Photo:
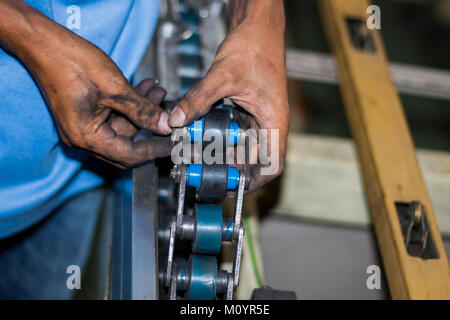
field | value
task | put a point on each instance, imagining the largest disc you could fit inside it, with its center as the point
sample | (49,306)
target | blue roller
(233,178)
(234,133)
(208,231)
(196,131)
(203,271)
(228,226)
(194,176)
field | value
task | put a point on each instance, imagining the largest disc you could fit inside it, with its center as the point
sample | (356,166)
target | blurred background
(415,32)
(315,231)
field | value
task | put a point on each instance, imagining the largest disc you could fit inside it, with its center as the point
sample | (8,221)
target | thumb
(198,100)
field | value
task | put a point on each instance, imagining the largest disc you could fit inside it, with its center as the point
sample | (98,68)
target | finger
(122,126)
(130,154)
(198,100)
(150,89)
(120,165)
(156,95)
(141,111)
(122,150)
(145,86)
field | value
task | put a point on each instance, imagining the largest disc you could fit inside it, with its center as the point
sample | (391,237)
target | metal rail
(408,79)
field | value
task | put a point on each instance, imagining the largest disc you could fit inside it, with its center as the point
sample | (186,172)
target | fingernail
(163,123)
(177,117)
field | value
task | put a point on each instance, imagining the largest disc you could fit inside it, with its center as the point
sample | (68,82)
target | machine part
(206,229)
(190,46)
(203,274)
(185,47)
(213,187)
(169,33)
(238,257)
(408,79)
(196,130)
(190,66)
(134,253)
(207,236)
(228,227)
(267,293)
(234,134)
(179,174)
(200,279)
(170,262)
(180,177)
(230,134)
(194,175)
(387,155)
(217,123)
(191,57)
(230,288)
(173,283)
(238,204)
(417,237)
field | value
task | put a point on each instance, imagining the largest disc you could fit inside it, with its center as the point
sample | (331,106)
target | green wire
(252,252)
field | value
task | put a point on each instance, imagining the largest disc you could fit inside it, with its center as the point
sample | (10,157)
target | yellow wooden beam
(386,153)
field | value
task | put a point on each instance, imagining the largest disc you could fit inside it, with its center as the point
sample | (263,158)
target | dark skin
(249,68)
(95,108)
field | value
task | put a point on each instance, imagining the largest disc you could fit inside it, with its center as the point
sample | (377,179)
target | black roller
(213,186)
(219,121)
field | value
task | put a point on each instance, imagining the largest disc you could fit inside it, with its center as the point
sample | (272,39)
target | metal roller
(212,181)
(208,229)
(203,274)
(218,119)
(205,229)
(200,279)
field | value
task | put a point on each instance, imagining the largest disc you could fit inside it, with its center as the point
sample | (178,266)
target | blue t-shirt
(37,173)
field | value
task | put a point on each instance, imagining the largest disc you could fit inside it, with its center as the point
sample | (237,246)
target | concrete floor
(320,261)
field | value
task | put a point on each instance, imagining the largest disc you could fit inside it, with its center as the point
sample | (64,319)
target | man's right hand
(93,105)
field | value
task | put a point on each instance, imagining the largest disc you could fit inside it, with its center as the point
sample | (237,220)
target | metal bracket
(415,231)
(238,205)
(238,256)
(173,226)
(173,283)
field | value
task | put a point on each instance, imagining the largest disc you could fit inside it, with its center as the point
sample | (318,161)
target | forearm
(268,13)
(28,33)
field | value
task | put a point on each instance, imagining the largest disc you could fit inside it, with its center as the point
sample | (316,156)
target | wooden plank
(321,182)
(386,153)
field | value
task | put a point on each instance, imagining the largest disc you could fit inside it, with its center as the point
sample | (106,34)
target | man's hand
(249,68)
(93,105)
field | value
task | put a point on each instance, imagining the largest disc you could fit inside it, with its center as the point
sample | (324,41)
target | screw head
(175,173)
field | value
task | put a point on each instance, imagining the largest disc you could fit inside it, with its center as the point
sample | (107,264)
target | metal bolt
(175,173)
